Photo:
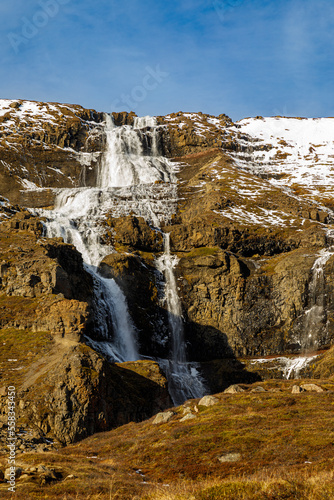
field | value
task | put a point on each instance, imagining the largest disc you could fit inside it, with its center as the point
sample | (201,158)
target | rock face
(43,285)
(46,144)
(80,393)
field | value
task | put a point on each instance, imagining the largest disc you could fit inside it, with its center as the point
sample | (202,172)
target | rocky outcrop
(43,285)
(254,308)
(46,145)
(123,118)
(189,133)
(74,392)
(133,233)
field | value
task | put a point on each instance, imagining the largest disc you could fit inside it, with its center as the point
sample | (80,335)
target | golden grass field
(285,442)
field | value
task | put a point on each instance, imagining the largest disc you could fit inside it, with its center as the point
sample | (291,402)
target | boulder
(234,389)
(230,457)
(208,401)
(163,417)
(258,389)
(296,389)
(189,416)
(312,388)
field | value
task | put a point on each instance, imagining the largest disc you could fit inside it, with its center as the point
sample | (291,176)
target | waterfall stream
(184,380)
(132,179)
(315,318)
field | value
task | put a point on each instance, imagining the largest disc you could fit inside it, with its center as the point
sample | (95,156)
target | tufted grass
(285,441)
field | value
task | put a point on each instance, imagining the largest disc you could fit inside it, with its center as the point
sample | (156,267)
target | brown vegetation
(285,442)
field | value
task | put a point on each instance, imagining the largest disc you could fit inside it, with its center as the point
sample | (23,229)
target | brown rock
(234,389)
(163,417)
(311,388)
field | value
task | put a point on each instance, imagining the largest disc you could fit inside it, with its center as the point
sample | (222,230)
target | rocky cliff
(251,232)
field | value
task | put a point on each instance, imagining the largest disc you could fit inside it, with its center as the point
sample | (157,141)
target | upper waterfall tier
(132,155)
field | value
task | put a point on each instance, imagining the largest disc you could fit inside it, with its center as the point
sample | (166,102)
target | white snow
(290,367)
(300,152)
(28,185)
(259,216)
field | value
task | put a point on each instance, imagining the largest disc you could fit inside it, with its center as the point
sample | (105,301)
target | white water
(289,367)
(315,324)
(125,162)
(110,311)
(124,185)
(184,380)
(132,179)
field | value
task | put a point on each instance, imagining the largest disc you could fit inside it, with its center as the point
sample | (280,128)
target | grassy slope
(285,442)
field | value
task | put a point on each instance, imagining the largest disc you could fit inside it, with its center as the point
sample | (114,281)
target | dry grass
(285,442)
(262,486)
(23,346)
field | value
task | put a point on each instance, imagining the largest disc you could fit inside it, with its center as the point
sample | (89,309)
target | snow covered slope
(291,152)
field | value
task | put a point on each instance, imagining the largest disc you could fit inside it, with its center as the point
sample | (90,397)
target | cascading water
(184,380)
(315,319)
(133,178)
(125,163)
(110,308)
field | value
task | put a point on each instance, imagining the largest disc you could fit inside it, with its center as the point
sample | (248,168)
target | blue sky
(239,57)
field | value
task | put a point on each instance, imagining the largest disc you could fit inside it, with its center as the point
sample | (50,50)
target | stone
(312,388)
(186,409)
(70,476)
(18,472)
(230,457)
(208,401)
(189,416)
(234,389)
(296,389)
(259,388)
(43,469)
(163,417)
(25,478)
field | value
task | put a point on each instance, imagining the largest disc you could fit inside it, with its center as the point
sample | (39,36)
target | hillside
(149,261)
(265,442)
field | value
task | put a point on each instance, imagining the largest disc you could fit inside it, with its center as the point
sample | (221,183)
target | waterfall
(125,163)
(110,307)
(133,178)
(166,264)
(184,380)
(315,318)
